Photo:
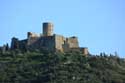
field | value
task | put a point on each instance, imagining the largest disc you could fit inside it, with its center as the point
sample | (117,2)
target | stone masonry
(47,41)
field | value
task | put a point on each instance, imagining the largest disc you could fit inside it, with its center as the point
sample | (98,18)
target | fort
(48,41)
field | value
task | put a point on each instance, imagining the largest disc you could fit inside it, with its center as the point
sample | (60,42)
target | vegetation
(45,67)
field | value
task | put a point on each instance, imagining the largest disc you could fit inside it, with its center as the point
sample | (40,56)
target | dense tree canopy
(45,67)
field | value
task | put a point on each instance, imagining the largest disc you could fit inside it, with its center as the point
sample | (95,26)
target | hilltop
(17,66)
(53,58)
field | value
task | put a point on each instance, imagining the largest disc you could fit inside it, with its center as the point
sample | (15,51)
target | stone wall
(32,40)
(47,29)
(72,42)
(59,42)
(31,34)
(48,41)
(14,43)
(84,50)
(23,44)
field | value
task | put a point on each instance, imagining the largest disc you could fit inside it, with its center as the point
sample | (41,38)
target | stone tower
(47,29)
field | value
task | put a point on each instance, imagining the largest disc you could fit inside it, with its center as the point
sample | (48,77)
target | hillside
(44,67)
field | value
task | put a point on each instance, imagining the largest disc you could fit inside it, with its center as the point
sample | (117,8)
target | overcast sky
(99,24)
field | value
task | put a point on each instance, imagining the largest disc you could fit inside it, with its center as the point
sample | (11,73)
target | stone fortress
(48,41)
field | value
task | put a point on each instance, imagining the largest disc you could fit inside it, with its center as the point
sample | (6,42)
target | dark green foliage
(44,67)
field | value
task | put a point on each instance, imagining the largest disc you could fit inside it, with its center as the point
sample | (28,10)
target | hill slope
(44,67)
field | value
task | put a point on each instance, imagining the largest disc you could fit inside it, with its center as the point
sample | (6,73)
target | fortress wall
(31,34)
(48,43)
(59,41)
(45,43)
(33,43)
(23,44)
(73,42)
(66,45)
(14,43)
(32,40)
(18,44)
(84,50)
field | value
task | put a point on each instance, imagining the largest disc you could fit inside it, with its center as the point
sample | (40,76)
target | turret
(47,29)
